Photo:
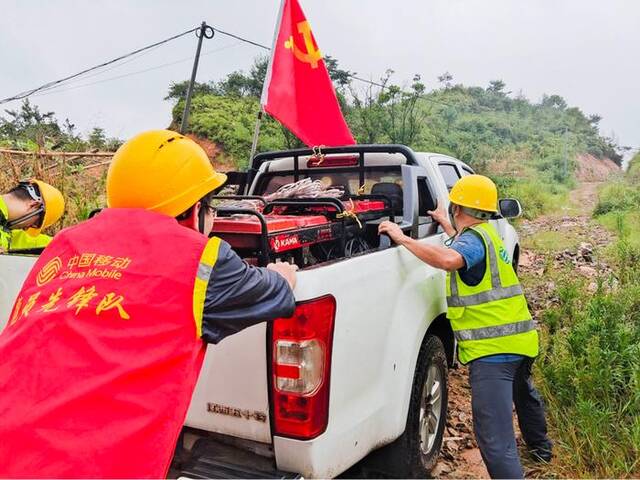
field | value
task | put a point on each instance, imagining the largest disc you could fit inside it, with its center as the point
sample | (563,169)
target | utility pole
(205,31)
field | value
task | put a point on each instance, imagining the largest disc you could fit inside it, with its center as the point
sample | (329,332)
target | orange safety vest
(102,350)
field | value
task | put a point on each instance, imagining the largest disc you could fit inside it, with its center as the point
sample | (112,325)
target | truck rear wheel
(415,453)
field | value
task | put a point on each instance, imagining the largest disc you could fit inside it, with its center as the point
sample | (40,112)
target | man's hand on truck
(287,270)
(441,216)
(434,255)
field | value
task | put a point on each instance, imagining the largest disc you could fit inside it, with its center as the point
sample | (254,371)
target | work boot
(541,453)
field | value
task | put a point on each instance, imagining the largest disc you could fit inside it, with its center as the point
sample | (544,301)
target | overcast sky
(588,51)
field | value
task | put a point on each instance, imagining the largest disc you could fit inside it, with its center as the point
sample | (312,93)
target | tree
(449,114)
(554,101)
(340,78)
(389,113)
(367,115)
(28,128)
(97,138)
(178,90)
(240,84)
(446,80)
(29,122)
(594,119)
(496,86)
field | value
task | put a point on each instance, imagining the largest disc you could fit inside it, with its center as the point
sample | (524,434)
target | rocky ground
(567,240)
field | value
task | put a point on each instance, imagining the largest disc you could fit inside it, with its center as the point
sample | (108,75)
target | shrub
(617,197)
(536,196)
(591,370)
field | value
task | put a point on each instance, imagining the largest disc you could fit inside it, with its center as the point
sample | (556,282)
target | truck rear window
(349,180)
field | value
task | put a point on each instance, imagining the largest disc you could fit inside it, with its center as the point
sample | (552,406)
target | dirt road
(568,239)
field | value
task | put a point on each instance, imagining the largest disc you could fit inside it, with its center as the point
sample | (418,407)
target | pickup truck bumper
(210,458)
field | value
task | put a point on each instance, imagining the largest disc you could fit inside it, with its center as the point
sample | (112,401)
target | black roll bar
(261,158)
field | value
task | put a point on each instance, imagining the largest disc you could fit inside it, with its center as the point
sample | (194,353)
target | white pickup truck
(360,371)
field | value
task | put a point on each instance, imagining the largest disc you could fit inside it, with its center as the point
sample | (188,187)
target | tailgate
(232,394)
(15,269)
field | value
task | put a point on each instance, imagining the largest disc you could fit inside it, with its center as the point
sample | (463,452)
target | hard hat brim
(470,205)
(193,195)
(52,213)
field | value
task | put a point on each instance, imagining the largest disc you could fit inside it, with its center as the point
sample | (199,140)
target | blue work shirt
(240,295)
(471,246)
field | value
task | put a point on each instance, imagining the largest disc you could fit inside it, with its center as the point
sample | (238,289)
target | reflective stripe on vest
(207,261)
(497,292)
(491,317)
(493,332)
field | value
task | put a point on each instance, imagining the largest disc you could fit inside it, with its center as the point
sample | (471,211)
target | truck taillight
(301,368)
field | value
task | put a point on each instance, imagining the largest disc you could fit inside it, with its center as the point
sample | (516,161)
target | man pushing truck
(98,371)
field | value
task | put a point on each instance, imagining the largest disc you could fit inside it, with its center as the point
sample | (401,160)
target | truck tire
(415,453)
(516,259)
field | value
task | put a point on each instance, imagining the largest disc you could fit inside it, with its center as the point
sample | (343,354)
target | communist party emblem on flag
(298,91)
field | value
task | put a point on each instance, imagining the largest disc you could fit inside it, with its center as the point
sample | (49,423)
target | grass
(536,195)
(589,369)
(548,241)
(619,196)
(630,220)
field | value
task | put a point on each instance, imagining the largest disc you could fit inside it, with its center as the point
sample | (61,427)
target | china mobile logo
(49,271)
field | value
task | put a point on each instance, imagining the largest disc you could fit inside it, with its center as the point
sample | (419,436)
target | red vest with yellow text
(102,351)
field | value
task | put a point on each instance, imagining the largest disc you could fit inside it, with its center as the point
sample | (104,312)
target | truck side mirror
(509,208)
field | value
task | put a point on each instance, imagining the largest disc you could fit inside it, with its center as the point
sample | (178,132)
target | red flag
(298,91)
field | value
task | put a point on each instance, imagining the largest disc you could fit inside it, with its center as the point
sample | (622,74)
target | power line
(60,87)
(130,74)
(237,37)
(119,64)
(350,75)
(265,47)
(51,86)
(48,85)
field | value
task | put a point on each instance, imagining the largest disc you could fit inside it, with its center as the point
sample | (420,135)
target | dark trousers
(495,387)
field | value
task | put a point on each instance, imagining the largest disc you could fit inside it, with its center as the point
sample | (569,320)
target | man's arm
(21,240)
(434,255)
(240,295)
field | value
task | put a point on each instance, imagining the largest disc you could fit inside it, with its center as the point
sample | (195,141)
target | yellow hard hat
(53,206)
(475,191)
(161,171)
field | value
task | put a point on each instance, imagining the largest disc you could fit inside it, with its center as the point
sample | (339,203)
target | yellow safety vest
(492,317)
(12,241)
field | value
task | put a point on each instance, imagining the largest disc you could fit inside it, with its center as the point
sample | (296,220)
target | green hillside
(528,147)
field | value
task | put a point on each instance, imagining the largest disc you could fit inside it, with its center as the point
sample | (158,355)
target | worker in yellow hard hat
(120,309)
(25,210)
(491,322)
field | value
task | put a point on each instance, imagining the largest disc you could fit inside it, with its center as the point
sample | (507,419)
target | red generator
(303,231)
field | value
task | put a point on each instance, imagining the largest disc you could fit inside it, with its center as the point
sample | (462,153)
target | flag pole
(256,133)
(265,85)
